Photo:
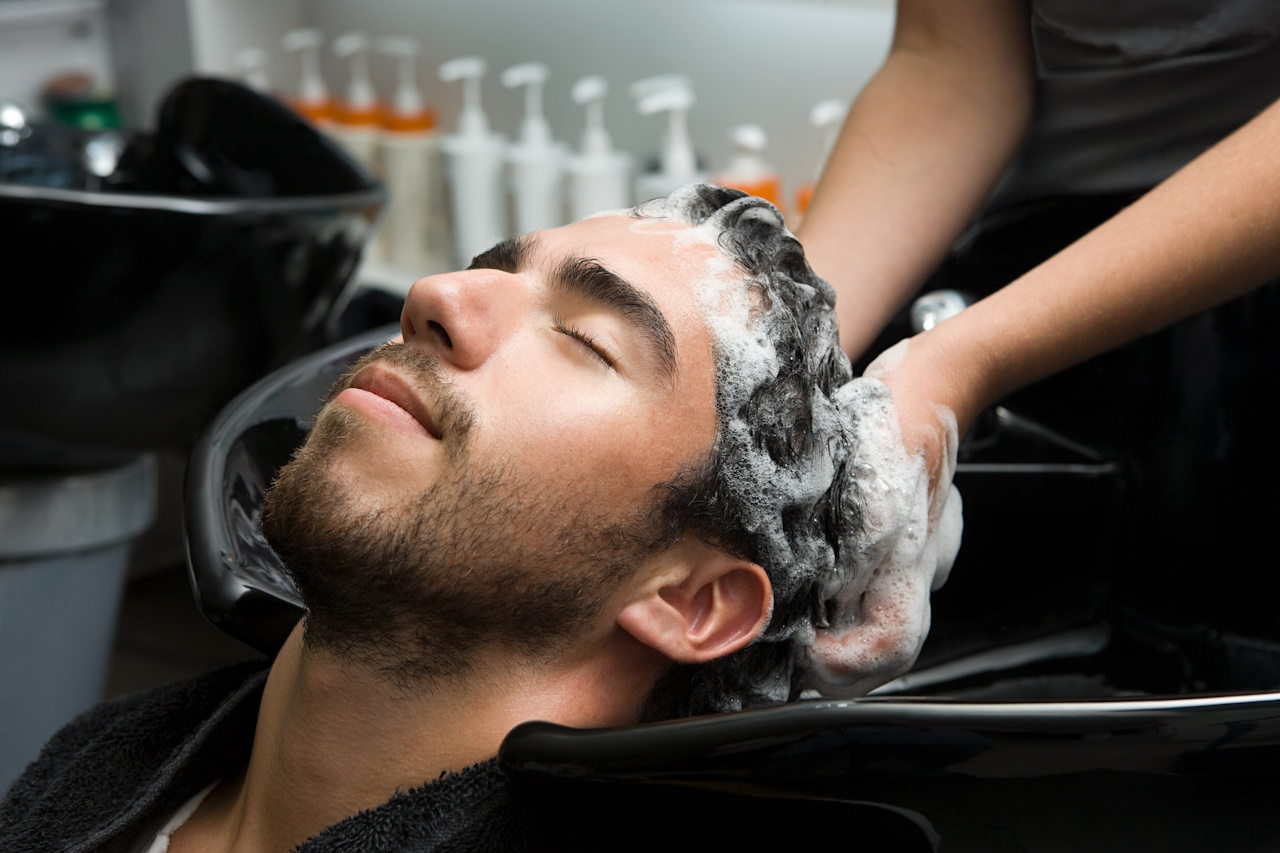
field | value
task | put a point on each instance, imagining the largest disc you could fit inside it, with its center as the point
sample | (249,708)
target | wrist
(945,369)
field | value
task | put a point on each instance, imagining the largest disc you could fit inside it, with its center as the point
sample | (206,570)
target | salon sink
(153,276)
(1043,714)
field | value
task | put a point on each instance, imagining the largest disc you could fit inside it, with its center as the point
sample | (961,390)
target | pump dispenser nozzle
(252,64)
(312,99)
(534,130)
(470,70)
(749,138)
(658,82)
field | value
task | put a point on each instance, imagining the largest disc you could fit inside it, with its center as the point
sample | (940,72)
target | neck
(332,740)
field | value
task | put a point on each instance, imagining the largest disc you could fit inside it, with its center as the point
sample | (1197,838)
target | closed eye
(564,327)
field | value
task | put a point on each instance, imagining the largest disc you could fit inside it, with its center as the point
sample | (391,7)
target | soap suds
(811,463)
(881,594)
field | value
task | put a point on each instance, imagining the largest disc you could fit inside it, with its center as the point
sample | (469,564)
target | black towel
(112,777)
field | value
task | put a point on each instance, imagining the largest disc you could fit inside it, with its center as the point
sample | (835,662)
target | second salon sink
(144,293)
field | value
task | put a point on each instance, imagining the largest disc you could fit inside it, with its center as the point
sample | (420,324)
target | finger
(850,662)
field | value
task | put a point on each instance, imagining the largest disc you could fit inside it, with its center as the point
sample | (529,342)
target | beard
(485,556)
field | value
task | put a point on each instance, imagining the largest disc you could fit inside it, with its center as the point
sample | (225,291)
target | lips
(381,381)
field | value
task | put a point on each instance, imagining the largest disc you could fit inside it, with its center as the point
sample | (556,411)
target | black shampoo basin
(214,251)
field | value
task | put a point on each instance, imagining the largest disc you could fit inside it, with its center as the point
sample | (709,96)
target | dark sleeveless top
(1128,92)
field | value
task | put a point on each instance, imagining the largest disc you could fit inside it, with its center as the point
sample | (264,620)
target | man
(607,475)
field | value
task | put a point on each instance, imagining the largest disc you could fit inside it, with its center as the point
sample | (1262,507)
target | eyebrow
(507,256)
(588,279)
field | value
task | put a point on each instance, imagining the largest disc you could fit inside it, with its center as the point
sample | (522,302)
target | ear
(701,604)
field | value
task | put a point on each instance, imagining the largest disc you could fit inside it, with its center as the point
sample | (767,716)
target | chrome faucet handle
(14,126)
(935,306)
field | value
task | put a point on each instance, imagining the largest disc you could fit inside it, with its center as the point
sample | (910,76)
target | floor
(162,636)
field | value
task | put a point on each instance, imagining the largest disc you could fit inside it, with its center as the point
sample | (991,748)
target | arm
(921,148)
(1208,233)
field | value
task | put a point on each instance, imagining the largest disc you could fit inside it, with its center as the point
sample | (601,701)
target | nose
(463,317)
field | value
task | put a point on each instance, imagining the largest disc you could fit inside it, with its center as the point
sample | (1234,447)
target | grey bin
(64,551)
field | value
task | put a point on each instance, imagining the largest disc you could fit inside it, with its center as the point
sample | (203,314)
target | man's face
(493,478)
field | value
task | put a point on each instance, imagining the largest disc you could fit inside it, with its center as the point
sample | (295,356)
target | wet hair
(770,491)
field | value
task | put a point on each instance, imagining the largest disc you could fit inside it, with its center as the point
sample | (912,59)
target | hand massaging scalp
(892,557)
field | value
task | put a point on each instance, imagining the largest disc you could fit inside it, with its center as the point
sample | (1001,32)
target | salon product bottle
(473,167)
(312,99)
(646,86)
(415,229)
(535,160)
(747,170)
(827,116)
(677,164)
(251,63)
(356,114)
(599,176)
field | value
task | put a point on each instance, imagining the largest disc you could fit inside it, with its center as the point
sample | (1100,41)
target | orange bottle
(357,115)
(415,230)
(312,100)
(747,170)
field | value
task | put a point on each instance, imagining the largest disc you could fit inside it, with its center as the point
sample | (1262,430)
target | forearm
(1207,234)
(918,153)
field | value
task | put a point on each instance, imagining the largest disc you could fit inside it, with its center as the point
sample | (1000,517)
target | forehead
(679,269)
(679,266)
(664,257)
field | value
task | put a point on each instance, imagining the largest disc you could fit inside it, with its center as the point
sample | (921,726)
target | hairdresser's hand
(904,461)
(932,410)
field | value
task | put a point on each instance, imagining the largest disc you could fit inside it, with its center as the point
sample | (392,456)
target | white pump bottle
(415,231)
(356,114)
(251,63)
(536,160)
(312,99)
(473,164)
(747,170)
(599,176)
(826,116)
(678,164)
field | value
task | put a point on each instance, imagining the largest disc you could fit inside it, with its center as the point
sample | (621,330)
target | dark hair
(794,530)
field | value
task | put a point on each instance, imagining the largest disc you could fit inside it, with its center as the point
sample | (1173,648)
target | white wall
(222,28)
(39,38)
(157,42)
(766,61)
(152,48)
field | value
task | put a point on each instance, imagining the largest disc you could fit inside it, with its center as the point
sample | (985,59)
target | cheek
(605,443)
